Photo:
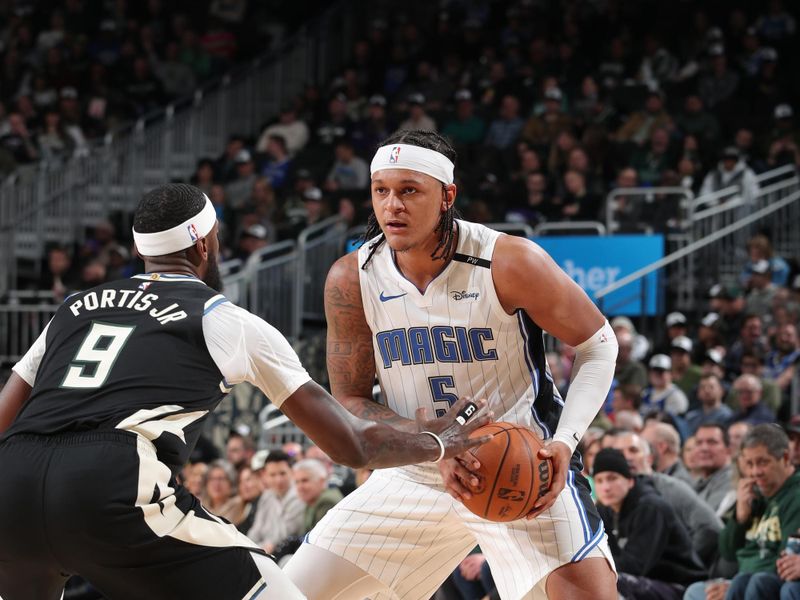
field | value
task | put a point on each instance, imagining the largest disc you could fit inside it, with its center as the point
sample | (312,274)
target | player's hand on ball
(454,427)
(559,455)
(458,474)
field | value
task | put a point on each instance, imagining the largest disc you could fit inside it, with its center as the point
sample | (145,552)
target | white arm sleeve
(247,348)
(29,364)
(592,373)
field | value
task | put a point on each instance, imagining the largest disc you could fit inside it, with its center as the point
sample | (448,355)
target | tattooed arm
(351,363)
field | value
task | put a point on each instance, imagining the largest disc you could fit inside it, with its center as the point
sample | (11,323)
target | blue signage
(595,262)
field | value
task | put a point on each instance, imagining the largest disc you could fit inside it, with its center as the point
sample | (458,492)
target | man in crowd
(767,513)
(239,450)
(713,459)
(652,550)
(700,522)
(628,371)
(748,390)
(662,393)
(665,442)
(279,513)
(684,373)
(710,393)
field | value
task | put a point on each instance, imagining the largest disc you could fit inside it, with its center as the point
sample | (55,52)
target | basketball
(511,476)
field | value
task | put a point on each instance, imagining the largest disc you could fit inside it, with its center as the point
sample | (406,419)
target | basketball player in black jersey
(104,409)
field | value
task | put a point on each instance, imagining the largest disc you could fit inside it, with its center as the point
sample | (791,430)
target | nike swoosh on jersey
(387,298)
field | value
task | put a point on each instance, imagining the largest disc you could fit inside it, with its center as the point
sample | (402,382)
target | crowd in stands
(550,106)
(74,70)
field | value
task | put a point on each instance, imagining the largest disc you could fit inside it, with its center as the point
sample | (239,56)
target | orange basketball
(512,477)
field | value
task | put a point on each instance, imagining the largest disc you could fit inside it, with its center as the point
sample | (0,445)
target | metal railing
(780,216)
(630,210)
(318,248)
(570,228)
(273,295)
(20,325)
(54,203)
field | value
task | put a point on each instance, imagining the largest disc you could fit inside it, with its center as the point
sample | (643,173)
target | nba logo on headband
(394,156)
(193,235)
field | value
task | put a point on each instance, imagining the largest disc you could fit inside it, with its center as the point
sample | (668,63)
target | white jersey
(455,339)
(401,526)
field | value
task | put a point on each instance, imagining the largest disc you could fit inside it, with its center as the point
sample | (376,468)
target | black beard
(212,278)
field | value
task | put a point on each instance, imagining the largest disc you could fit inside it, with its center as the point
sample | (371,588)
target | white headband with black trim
(179,237)
(413,158)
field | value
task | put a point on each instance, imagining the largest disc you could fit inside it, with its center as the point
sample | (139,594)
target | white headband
(179,237)
(413,158)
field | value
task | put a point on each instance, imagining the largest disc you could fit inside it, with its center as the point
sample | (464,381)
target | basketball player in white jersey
(441,308)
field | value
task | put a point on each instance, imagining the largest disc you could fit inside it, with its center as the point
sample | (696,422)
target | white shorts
(405,530)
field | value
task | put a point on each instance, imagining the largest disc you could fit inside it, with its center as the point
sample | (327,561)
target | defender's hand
(455,426)
(559,455)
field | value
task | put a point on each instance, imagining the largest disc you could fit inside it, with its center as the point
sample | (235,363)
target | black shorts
(101,505)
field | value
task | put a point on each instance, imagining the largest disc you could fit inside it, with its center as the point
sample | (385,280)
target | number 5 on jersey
(100,349)
(439,386)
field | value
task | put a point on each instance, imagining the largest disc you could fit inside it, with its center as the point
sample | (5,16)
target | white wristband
(438,441)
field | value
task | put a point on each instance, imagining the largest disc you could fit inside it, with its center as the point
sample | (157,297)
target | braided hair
(446,226)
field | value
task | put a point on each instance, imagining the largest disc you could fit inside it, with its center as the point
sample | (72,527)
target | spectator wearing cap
(373,128)
(713,461)
(253,238)
(662,393)
(694,514)
(752,409)
(278,164)
(761,290)
(464,127)
(349,172)
(237,189)
(784,139)
(677,325)
(641,345)
(627,370)
(685,374)
(279,513)
(727,301)
(731,171)
(640,125)
(710,395)
(293,130)
(418,119)
(541,130)
(759,248)
(707,337)
(713,363)
(505,130)
(720,82)
(651,548)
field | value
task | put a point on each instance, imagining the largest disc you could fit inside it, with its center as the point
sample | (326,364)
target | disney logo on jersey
(464,294)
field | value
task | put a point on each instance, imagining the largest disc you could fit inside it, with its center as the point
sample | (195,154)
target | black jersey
(131,355)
